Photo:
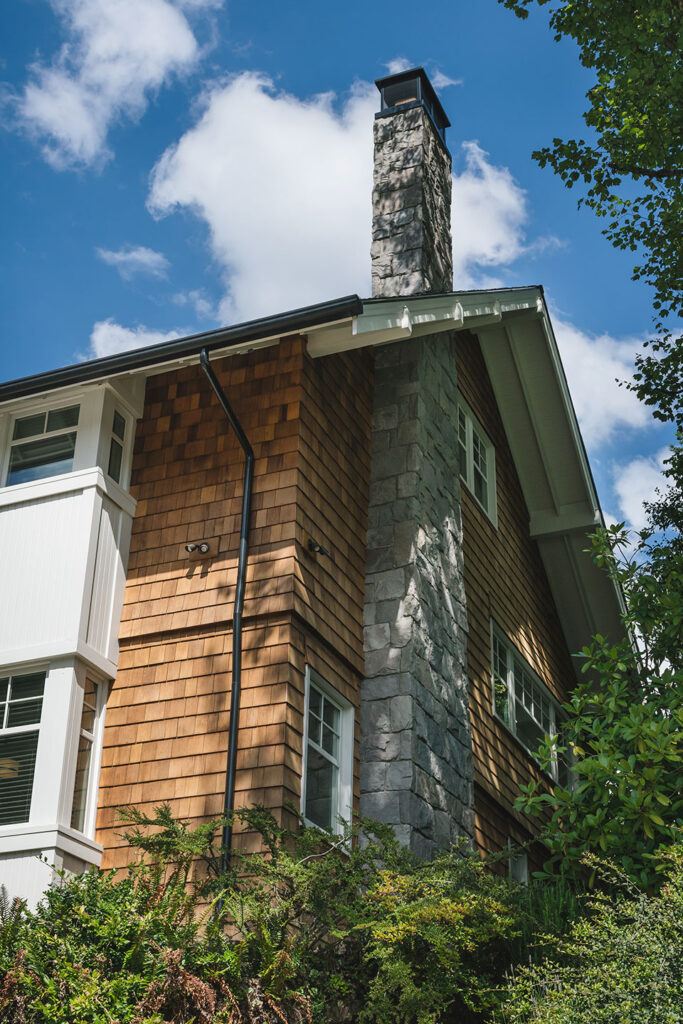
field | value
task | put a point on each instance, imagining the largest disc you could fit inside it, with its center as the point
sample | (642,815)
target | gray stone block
(383,806)
(401,713)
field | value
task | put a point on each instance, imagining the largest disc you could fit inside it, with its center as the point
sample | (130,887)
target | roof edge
(290,322)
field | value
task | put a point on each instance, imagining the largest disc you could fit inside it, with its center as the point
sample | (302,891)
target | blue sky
(173,165)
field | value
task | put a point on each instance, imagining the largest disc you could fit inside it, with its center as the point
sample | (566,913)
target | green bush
(621,964)
(311,930)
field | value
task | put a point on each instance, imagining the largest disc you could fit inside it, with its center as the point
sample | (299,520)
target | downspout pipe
(229,801)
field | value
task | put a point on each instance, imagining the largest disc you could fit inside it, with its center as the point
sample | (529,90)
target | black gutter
(229,800)
(225,337)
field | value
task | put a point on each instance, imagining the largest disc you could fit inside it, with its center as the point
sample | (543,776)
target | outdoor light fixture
(316,548)
(201,547)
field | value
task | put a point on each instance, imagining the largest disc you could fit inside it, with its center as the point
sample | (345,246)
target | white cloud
(636,482)
(285,188)
(199,301)
(593,366)
(441,81)
(135,259)
(108,338)
(117,52)
(488,219)
(397,65)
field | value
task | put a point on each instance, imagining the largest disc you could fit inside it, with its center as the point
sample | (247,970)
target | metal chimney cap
(408,89)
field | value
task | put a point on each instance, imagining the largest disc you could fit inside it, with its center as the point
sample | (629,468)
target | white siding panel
(25,876)
(43,562)
(101,598)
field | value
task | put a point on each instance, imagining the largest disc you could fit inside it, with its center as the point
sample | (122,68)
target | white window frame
(343,802)
(474,428)
(18,730)
(555,712)
(59,732)
(95,738)
(37,410)
(94,430)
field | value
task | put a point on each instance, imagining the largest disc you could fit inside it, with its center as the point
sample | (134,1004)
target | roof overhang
(523,362)
(529,383)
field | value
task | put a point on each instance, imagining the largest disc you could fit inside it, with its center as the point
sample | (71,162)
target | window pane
(115,458)
(528,731)
(24,712)
(330,715)
(480,489)
(88,713)
(28,686)
(17,767)
(119,427)
(330,742)
(39,459)
(480,469)
(4,683)
(321,788)
(29,426)
(78,807)
(60,419)
(315,700)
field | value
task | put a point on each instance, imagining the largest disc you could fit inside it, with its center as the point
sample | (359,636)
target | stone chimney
(411,196)
(416,767)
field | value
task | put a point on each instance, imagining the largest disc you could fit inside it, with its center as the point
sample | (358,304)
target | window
(522,702)
(328,756)
(476,457)
(21,703)
(42,445)
(86,741)
(118,431)
(518,864)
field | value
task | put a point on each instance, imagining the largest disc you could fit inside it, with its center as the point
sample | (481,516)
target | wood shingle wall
(167,716)
(505,581)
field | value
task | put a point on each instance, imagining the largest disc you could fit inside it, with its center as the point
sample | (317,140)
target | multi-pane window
(521,701)
(476,458)
(86,741)
(118,432)
(21,703)
(327,762)
(42,445)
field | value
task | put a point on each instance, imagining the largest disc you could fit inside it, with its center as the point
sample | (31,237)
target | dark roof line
(225,337)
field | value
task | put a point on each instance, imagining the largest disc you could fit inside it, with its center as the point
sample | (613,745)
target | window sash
(520,700)
(83,789)
(476,457)
(21,702)
(326,784)
(42,445)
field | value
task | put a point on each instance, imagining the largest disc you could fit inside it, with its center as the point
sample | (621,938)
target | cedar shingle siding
(504,580)
(167,718)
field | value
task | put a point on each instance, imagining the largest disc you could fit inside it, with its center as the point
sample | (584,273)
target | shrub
(621,964)
(313,929)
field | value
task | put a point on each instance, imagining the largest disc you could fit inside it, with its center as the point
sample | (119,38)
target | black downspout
(229,802)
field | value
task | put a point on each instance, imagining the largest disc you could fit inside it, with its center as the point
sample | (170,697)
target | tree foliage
(631,165)
(624,724)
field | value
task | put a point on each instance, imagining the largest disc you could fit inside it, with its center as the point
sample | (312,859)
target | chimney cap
(412,88)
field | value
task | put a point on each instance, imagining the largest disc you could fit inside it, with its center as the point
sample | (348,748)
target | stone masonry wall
(416,753)
(411,202)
